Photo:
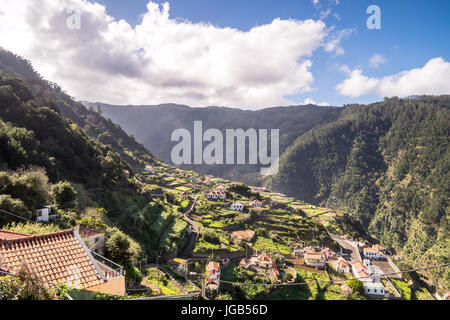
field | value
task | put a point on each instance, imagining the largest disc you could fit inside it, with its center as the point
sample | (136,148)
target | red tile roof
(8,235)
(378,247)
(53,258)
(361,269)
(213,267)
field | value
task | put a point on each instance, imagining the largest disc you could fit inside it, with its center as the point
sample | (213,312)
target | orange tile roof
(378,247)
(213,267)
(371,250)
(8,235)
(265,257)
(54,258)
(359,266)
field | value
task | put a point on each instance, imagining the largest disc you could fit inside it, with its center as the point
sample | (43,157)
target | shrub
(64,194)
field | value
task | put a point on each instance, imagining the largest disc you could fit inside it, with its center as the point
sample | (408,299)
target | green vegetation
(387,164)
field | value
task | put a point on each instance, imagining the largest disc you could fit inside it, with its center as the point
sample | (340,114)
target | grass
(156,278)
(268,245)
(403,287)
(185,203)
(183,188)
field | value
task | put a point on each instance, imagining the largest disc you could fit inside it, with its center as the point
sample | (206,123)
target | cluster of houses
(239,206)
(362,270)
(318,258)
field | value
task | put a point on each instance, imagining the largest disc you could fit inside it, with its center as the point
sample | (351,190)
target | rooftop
(54,258)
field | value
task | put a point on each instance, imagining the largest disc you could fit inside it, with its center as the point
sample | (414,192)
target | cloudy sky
(250,54)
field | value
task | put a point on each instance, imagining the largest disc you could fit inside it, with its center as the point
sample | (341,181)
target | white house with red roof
(341,265)
(255,204)
(314,259)
(361,271)
(217,195)
(237,206)
(372,254)
(213,272)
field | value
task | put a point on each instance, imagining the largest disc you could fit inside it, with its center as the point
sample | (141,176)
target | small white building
(374,289)
(340,265)
(256,204)
(44,214)
(237,206)
(372,254)
(217,194)
(361,271)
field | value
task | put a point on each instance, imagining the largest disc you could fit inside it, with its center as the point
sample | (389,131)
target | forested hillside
(389,165)
(55,151)
(153,126)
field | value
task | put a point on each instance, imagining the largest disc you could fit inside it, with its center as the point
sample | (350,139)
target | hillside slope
(153,126)
(389,165)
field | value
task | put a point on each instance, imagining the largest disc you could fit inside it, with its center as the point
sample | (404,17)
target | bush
(12,205)
(357,286)
(64,194)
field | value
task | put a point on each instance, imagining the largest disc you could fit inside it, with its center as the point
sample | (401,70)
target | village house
(372,254)
(314,259)
(340,265)
(60,257)
(346,290)
(256,204)
(95,241)
(374,289)
(380,248)
(237,206)
(179,266)
(217,195)
(329,254)
(44,214)
(213,272)
(361,271)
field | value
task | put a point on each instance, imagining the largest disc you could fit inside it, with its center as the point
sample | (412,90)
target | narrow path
(186,252)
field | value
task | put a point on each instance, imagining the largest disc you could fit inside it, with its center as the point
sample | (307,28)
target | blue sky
(234,53)
(412,32)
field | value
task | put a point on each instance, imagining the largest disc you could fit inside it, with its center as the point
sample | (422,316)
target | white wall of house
(43,214)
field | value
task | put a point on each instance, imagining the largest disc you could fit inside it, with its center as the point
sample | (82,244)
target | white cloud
(325,14)
(376,60)
(433,79)
(333,45)
(311,101)
(163,59)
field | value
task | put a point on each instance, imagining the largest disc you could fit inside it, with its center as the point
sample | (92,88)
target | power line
(330,281)
(15,215)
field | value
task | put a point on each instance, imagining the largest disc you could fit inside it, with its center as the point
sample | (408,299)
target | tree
(357,286)
(117,246)
(64,194)
(11,205)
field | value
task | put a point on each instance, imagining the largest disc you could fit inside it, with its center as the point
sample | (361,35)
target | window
(39,213)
